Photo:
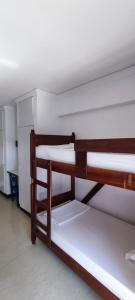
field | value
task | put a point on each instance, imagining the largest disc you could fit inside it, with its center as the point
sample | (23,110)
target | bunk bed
(95,245)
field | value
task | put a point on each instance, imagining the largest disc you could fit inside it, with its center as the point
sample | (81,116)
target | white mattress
(60,182)
(66,153)
(99,242)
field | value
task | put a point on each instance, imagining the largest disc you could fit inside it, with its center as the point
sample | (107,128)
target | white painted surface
(1,152)
(45,116)
(116,200)
(25,122)
(113,90)
(1,119)
(8,151)
(62,44)
(25,112)
(26,117)
(97,103)
(24,166)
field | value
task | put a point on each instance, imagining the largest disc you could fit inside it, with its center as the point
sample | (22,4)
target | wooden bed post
(73,137)
(73,187)
(32,152)
(72,177)
(33,187)
(49,201)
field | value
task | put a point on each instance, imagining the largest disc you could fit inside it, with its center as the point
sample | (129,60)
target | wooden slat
(68,169)
(44,227)
(41,163)
(104,176)
(61,198)
(33,214)
(72,187)
(41,183)
(64,168)
(54,139)
(60,167)
(84,274)
(32,153)
(120,145)
(49,202)
(92,193)
(42,237)
(56,200)
(115,178)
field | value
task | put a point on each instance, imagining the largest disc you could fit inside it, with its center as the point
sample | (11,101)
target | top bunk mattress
(98,242)
(66,154)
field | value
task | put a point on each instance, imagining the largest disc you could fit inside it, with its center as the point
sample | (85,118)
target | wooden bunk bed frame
(79,169)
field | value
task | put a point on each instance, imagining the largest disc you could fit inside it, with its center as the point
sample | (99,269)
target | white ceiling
(58,44)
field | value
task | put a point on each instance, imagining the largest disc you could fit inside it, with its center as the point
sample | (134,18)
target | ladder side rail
(49,201)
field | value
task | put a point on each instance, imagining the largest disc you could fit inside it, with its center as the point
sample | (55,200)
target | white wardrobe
(33,109)
(8,150)
(25,123)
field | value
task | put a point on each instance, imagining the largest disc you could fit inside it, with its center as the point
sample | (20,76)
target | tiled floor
(30,272)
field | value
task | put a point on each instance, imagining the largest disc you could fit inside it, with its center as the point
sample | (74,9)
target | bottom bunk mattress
(98,242)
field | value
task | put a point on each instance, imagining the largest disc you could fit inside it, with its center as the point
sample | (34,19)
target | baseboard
(22,209)
(5,195)
(25,211)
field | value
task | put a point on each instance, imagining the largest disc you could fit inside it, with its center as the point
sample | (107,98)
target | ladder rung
(44,227)
(42,163)
(43,184)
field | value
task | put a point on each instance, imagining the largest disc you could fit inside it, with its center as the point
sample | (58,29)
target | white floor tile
(30,272)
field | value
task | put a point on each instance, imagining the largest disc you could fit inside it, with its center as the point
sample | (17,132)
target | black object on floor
(13,177)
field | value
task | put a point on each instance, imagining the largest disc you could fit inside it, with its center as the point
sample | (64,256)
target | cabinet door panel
(1,119)
(1,162)
(25,112)
(24,166)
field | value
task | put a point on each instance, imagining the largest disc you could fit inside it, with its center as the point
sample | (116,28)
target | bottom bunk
(97,242)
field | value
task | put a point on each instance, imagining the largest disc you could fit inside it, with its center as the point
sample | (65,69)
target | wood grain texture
(92,193)
(111,177)
(56,200)
(120,145)
(46,139)
(49,201)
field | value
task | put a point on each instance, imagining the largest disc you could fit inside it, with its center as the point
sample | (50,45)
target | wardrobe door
(24,166)
(25,112)
(1,162)
(1,151)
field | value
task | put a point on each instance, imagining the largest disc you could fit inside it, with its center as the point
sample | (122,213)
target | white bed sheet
(99,242)
(120,162)
(60,182)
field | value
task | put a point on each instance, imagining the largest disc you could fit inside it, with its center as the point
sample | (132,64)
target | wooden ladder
(34,222)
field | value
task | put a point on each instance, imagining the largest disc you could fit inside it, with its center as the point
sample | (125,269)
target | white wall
(10,151)
(102,108)
(45,116)
(96,105)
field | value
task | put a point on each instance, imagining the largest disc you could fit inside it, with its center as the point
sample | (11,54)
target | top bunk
(107,161)
(114,161)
